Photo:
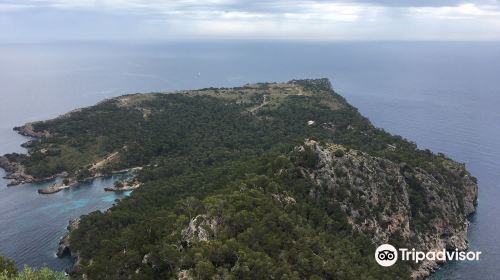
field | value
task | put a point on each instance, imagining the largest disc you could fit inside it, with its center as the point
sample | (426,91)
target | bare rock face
(184,275)
(396,203)
(200,228)
(64,245)
(284,198)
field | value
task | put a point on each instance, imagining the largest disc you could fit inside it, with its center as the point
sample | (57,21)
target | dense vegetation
(222,161)
(257,236)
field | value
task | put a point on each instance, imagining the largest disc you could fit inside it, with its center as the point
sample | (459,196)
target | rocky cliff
(65,242)
(394,203)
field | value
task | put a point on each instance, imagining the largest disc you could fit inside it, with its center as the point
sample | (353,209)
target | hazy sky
(45,20)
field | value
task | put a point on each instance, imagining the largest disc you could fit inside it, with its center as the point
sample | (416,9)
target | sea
(444,96)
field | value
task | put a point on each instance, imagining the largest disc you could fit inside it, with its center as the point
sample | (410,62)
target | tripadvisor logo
(387,255)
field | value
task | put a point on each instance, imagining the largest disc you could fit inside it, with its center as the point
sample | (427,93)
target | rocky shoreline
(64,244)
(14,172)
(57,187)
(126,186)
(28,131)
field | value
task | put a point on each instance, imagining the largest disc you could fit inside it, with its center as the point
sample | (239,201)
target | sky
(358,20)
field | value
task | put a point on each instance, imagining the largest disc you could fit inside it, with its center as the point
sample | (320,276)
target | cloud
(11,7)
(278,19)
(418,3)
(463,11)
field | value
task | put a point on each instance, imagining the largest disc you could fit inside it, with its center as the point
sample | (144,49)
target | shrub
(8,271)
(7,267)
(339,153)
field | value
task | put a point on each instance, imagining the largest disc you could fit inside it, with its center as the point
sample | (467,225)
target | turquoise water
(444,96)
(32,224)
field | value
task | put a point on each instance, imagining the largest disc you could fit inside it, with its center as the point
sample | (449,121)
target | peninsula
(268,180)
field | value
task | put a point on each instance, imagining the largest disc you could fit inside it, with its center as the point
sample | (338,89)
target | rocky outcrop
(30,144)
(184,275)
(64,248)
(29,131)
(14,171)
(391,201)
(57,187)
(200,228)
(122,187)
(283,198)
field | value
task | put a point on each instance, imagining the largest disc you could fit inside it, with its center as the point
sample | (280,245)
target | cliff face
(394,203)
(64,244)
